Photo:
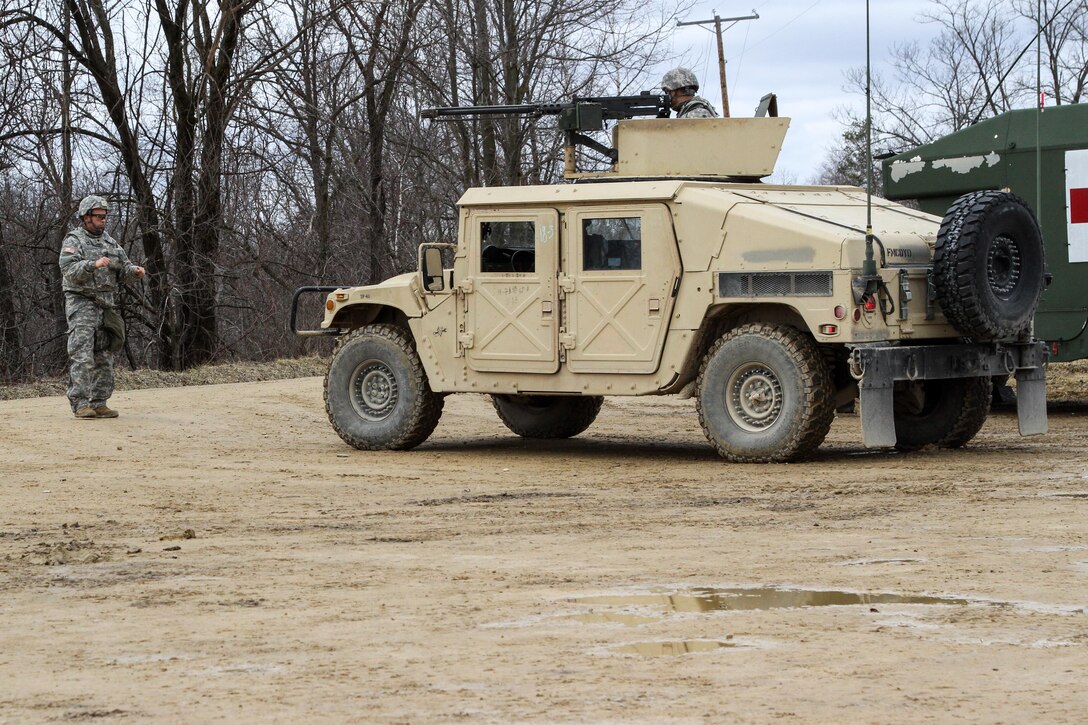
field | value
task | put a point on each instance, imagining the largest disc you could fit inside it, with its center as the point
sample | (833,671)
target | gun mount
(576,118)
(646,143)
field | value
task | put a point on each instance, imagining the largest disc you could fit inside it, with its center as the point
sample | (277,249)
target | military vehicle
(677,271)
(1041,156)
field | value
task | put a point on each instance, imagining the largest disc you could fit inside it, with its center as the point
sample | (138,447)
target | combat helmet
(90,202)
(679,78)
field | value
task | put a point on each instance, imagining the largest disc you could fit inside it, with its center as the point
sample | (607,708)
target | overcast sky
(799,49)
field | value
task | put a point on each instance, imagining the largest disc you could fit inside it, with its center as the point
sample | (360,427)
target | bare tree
(978,66)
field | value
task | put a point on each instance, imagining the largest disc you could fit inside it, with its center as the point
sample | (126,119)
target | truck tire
(547,416)
(988,265)
(764,395)
(945,412)
(376,391)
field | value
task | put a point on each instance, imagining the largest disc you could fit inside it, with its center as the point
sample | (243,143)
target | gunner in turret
(681,86)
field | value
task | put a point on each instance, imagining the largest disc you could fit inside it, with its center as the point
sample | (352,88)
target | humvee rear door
(508,303)
(621,265)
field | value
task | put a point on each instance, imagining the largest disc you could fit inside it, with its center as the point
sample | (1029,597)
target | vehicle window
(612,243)
(507,247)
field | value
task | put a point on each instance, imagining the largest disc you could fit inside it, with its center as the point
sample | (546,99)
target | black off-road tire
(376,391)
(764,395)
(946,413)
(547,416)
(988,265)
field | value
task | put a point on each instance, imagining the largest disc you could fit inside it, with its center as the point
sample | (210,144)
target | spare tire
(988,265)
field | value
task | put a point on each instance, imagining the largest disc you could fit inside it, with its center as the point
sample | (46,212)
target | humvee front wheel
(764,395)
(944,412)
(376,391)
(547,416)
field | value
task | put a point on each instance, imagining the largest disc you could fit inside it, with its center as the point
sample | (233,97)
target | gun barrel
(535,109)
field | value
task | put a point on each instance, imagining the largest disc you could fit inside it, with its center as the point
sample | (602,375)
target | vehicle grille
(774,284)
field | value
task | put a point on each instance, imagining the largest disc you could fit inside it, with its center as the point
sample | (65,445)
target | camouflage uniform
(697,107)
(87,290)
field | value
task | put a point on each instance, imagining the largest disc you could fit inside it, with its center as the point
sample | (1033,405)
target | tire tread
(427,410)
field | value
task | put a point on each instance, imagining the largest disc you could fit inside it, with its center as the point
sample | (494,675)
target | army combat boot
(103,412)
(86,412)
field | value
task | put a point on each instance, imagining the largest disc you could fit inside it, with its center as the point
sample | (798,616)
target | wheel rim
(374,390)
(754,397)
(1003,266)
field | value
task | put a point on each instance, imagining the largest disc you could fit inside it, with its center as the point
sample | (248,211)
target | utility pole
(717,21)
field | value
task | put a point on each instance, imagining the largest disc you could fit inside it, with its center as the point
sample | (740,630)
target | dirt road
(217,554)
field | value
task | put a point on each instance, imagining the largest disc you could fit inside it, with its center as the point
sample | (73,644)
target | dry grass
(1067,383)
(237,372)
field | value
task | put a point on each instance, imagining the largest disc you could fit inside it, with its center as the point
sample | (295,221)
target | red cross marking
(1078,206)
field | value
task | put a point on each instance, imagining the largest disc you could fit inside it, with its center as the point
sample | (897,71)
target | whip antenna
(868,268)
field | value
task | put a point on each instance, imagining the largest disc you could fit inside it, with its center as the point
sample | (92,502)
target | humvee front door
(508,304)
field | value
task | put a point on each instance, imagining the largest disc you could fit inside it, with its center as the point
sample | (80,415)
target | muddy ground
(216,554)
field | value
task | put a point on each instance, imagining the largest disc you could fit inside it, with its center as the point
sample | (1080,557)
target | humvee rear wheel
(947,413)
(376,391)
(764,395)
(547,416)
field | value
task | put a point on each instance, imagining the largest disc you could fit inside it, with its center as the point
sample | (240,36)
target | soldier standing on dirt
(93,266)
(680,84)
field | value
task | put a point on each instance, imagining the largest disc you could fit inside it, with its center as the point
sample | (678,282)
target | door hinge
(566,284)
(465,339)
(566,340)
(465,286)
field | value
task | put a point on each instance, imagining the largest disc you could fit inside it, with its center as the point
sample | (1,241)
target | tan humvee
(678,272)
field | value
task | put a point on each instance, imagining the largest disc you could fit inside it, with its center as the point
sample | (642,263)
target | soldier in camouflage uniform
(92,266)
(681,85)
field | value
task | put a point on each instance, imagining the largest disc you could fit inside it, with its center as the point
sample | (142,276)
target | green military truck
(1041,156)
(677,271)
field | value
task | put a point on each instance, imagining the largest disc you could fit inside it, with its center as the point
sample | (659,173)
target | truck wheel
(547,416)
(764,395)
(988,265)
(376,391)
(947,413)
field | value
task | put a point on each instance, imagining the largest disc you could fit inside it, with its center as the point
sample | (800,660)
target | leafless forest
(250,147)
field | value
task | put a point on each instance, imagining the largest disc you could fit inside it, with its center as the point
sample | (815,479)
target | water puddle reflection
(759,598)
(681,647)
(870,562)
(630,620)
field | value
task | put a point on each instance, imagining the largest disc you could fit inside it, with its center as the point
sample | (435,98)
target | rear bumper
(878,368)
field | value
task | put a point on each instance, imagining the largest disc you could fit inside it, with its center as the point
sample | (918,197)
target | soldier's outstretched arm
(132,271)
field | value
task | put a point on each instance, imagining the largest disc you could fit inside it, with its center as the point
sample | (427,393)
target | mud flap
(1031,401)
(877,368)
(877,415)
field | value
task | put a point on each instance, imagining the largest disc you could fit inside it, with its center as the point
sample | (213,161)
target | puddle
(868,562)
(680,647)
(630,620)
(760,598)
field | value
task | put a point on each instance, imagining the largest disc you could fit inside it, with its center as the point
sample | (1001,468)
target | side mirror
(430,267)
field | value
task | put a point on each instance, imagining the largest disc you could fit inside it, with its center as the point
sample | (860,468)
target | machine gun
(581,115)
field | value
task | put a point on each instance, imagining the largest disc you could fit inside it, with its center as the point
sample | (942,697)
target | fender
(354,307)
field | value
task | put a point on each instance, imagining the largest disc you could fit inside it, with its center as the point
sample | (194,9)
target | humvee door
(620,267)
(509,307)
